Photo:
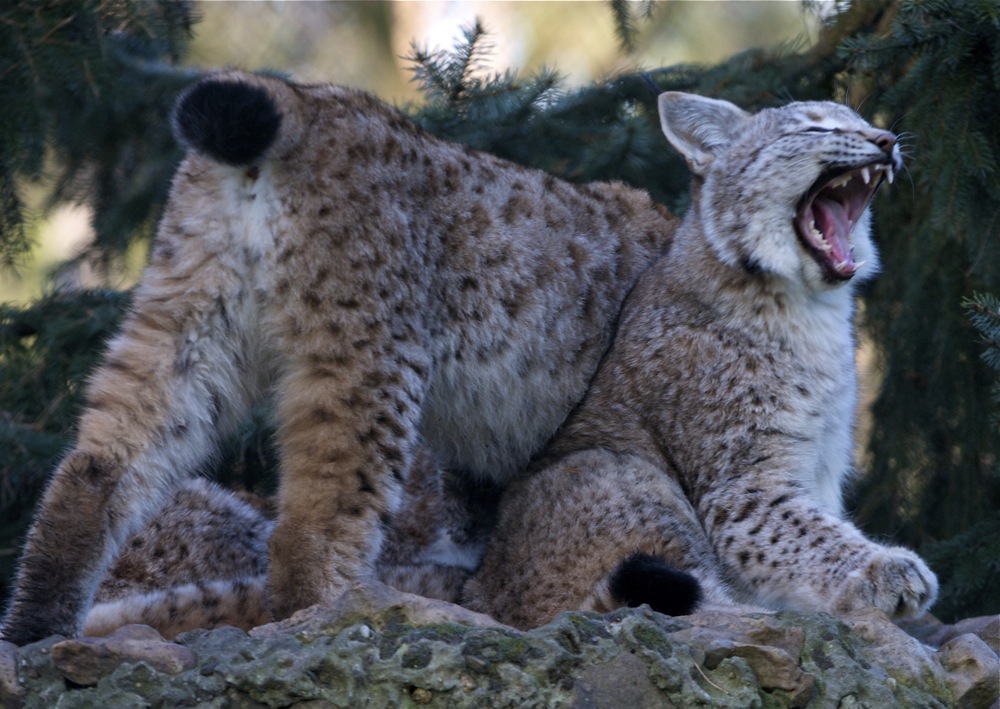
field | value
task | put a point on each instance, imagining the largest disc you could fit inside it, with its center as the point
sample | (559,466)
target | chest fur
(785,387)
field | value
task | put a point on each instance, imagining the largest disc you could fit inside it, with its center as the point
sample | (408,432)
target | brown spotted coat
(718,432)
(379,284)
(202,560)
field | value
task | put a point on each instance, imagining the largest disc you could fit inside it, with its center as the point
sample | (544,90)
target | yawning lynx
(718,431)
(382,284)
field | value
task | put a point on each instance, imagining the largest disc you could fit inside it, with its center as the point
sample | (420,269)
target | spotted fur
(380,284)
(202,561)
(718,432)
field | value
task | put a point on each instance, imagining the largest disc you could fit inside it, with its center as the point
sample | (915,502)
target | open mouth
(827,213)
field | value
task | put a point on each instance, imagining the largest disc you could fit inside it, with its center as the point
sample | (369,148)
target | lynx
(704,467)
(202,562)
(380,284)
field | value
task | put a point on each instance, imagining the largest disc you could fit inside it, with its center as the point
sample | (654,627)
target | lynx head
(785,191)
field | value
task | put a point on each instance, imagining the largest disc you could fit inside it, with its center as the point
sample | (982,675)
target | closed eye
(818,129)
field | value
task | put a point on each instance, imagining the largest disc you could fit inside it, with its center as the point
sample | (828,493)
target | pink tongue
(832,220)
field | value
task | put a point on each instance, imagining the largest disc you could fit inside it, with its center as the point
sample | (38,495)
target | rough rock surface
(85,660)
(380,649)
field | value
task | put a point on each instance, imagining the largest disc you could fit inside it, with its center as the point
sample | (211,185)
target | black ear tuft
(643,578)
(230,121)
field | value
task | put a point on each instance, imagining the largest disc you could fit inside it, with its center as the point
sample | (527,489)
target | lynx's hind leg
(178,377)
(342,483)
(595,531)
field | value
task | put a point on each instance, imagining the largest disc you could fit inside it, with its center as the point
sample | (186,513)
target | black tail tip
(643,578)
(230,121)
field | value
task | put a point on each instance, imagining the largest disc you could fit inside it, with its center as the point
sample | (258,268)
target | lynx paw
(895,580)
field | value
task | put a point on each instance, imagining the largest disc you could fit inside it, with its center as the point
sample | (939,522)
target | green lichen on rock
(386,650)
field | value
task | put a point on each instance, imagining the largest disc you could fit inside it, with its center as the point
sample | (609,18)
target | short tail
(235,118)
(643,578)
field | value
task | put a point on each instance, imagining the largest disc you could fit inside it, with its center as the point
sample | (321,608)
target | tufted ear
(698,127)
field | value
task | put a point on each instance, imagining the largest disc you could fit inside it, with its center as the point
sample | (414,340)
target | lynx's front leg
(792,553)
(347,438)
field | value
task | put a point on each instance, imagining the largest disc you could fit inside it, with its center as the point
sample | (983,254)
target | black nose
(886,141)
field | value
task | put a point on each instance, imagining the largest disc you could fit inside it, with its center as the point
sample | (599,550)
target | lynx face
(380,285)
(813,167)
(718,431)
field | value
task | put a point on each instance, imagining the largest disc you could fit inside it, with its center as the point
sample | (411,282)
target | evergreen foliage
(87,87)
(605,131)
(625,13)
(46,351)
(934,74)
(968,563)
(91,84)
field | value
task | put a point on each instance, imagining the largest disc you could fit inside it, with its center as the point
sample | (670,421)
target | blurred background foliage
(570,87)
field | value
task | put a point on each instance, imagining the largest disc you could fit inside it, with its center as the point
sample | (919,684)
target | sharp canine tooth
(889,172)
(865,175)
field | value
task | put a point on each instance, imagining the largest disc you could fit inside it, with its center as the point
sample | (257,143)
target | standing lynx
(381,284)
(718,431)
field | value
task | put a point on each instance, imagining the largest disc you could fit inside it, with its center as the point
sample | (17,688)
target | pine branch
(449,74)
(983,310)
(85,83)
(624,13)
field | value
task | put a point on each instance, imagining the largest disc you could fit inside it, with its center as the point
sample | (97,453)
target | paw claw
(895,580)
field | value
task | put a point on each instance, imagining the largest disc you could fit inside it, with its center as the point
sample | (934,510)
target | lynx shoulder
(380,284)
(718,432)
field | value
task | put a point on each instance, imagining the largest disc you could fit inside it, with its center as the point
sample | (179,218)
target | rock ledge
(382,650)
